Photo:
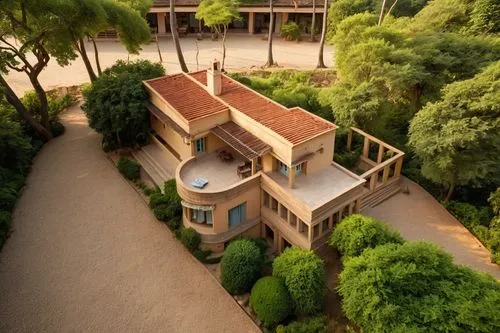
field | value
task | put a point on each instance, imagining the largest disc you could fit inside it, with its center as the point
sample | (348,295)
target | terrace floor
(320,187)
(220,175)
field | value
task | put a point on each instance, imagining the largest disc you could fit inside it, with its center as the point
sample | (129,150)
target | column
(385,175)
(366,147)
(291,177)
(251,23)
(399,165)
(380,153)
(310,233)
(254,166)
(284,18)
(349,140)
(160,18)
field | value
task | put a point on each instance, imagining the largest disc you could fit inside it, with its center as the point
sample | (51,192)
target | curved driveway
(86,254)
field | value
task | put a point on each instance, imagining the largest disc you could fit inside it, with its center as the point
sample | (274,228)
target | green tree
(304,275)
(115,106)
(217,14)
(271,301)
(416,287)
(356,233)
(324,27)
(457,137)
(270,60)
(485,16)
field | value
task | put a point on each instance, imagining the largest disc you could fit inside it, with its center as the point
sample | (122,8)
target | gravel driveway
(87,255)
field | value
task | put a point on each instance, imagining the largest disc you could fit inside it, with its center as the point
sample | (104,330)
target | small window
(293,220)
(298,169)
(283,168)
(316,231)
(201,216)
(274,205)
(284,213)
(201,145)
(266,199)
(324,225)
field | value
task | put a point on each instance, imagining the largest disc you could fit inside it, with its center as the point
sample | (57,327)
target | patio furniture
(244,170)
(182,30)
(225,156)
(199,183)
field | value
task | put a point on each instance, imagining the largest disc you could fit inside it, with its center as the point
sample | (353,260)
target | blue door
(237,215)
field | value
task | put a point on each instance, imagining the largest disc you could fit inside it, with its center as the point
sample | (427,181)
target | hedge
(356,233)
(128,168)
(190,238)
(304,275)
(241,266)
(318,324)
(270,301)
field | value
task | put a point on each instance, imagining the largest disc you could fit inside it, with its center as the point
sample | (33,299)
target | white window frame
(200,145)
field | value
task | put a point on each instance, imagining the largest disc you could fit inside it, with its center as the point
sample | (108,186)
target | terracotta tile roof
(262,3)
(295,125)
(166,119)
(240,139)
(190,99)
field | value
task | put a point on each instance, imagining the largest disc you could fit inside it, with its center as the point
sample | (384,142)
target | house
(250,166)
(254,15)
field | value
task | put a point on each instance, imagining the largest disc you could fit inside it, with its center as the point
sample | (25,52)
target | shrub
(114,104)
(5,221)
(170,191)
(241,266)
(174,223)
(190,238)
(356,233)
(128,168)
(416,287)
(468,214)
(158,199)
(304,275)
(57,128)
(318,324)
(270,301)
(290,31)
(348,159)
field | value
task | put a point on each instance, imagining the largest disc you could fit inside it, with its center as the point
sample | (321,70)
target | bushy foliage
(304,275)
(347,159)
(318,324)
(416,287)
(130,169)
(241,266)
(457,137)
(115,106)
(56,104)
(190,238)
(271,301)
(290,31)
(356,233)
(167,206)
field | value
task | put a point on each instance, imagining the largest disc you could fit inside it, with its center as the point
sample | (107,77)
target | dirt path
(418,216)
(86,254)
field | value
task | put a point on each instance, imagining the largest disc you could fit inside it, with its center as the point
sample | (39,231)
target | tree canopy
(416,287)
(458,136)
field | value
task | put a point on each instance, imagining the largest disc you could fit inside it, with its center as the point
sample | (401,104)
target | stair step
(149,167)
(381,195)
(157,165)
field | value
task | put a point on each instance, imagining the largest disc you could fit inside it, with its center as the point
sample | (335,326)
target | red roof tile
(295,125)
(190,99)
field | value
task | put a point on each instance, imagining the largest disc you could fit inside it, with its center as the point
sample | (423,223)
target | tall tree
(321,62)
(313,21)
(217,14)
(270,61)
(458,137)
(175,37)
(28,38)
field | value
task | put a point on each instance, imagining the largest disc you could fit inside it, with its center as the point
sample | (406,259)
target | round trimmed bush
(190,238)
(241,266)
(356,233)
(290,31)
(304,275)
(318,324)
(271,301)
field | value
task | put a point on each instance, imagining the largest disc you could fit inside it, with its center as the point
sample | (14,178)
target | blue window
(237,215)
(200,145)
(201,216)
(298,169)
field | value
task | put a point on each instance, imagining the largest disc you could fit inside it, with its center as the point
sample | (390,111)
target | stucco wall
(321,146)
(172,138)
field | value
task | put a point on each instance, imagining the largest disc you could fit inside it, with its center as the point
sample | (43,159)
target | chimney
(214,78)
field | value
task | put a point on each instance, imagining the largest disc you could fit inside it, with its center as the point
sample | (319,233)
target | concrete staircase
(381,194)
(153,165)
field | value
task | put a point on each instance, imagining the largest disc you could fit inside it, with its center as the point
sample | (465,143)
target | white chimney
(214,78)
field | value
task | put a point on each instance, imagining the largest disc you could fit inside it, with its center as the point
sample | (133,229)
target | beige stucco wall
(204,124)
(214,143)
(320,159)
(172,138)
(220,213)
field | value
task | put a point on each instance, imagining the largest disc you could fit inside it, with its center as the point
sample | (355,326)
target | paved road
(86,254)
(418,216)
(243,52)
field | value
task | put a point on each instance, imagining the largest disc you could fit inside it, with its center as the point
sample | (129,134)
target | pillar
(291,177)
(385,175)
(284,18)
(349,140)
(160,18)
(399,165)
(310,233)
(277,23)
(380,153)
(254,166)
(366,147)
(251,23)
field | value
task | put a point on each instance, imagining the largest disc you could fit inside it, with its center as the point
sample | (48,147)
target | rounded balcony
(223,179)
